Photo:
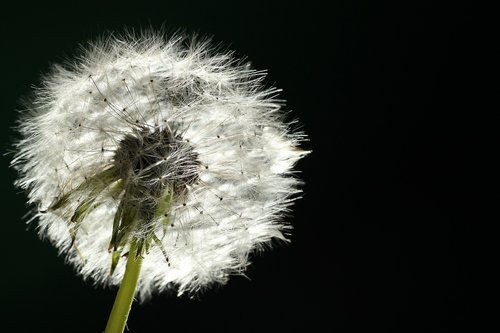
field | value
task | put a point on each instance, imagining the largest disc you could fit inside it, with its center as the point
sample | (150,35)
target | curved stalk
(125,296)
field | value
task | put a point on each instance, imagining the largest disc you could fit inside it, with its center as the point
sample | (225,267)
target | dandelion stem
(125,296)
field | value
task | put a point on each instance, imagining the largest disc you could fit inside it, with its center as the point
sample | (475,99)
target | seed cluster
(164,142)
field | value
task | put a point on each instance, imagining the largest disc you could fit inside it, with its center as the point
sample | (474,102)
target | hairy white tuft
(165,141)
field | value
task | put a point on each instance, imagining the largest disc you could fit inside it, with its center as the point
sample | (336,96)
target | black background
(382,238)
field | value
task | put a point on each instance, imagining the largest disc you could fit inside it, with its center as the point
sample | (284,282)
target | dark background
(382,241)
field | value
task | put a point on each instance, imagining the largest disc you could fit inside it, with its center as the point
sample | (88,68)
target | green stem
(125,297)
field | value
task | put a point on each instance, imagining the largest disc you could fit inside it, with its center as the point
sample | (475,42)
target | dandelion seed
(161,149)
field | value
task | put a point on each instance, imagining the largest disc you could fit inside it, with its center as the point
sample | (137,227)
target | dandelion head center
(156,159)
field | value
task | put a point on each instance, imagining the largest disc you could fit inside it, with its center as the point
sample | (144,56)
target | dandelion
(157,163)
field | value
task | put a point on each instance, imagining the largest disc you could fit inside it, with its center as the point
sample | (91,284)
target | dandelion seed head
(162,140)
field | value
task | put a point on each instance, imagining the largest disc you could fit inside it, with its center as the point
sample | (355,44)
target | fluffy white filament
(219,109)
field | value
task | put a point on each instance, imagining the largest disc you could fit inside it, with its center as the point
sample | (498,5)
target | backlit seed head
(165,142)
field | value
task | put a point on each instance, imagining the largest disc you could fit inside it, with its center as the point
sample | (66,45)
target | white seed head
(163,141)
